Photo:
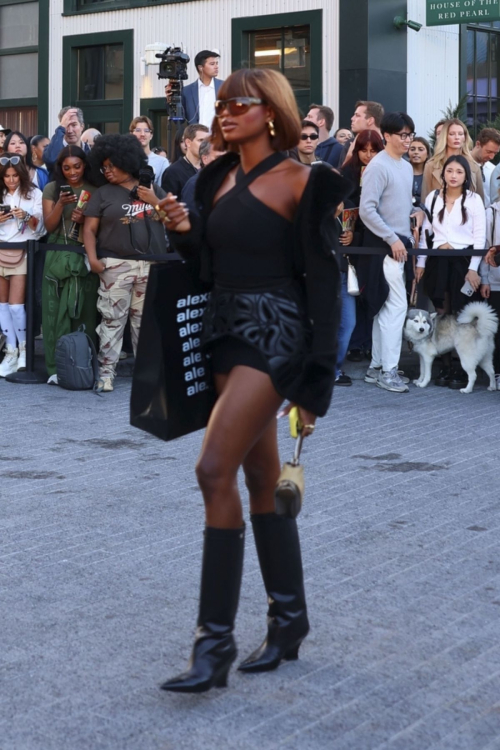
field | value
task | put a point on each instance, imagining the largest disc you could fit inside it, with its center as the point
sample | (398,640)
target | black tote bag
(172,394)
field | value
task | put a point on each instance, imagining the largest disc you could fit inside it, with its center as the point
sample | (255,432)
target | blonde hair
(273,88)
(441,149)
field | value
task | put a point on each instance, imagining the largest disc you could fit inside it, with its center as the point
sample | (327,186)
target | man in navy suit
(198,98)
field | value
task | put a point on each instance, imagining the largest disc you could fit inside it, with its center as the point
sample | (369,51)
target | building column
(372,55)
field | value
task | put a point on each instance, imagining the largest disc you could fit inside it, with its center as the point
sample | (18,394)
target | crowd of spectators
(98,195)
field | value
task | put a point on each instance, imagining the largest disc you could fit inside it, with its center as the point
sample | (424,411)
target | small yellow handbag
(289,490)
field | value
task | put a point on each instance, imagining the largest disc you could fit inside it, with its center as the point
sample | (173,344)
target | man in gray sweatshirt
(385,208)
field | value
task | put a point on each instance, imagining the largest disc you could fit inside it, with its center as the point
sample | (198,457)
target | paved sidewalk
(101,529)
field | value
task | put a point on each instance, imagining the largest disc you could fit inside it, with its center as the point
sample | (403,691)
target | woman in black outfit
(264,239)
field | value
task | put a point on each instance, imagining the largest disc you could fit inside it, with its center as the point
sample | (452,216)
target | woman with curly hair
(20,220)
(453,140)
(69,290)
(265,239)
(122,228)
(367,145)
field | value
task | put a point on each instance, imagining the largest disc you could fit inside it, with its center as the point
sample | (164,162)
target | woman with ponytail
(456,219)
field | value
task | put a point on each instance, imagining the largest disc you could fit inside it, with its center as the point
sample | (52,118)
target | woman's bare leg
(262,469)
(246,407)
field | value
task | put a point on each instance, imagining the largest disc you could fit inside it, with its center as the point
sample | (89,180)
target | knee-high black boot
(278,548)
(214,648)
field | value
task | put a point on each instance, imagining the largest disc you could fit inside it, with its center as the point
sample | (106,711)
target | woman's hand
(174,214)
(485,290)
(97,266)
(18,213)
(346,238)
(77,216)
(5,217)
(419,272)
(474,279)
(66,199)
(147,195)
(307,418)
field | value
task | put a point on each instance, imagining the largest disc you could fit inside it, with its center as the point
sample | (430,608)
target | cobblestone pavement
(101,529)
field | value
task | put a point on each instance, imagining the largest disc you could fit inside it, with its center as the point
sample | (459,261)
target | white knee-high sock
(18,314)
(7,324)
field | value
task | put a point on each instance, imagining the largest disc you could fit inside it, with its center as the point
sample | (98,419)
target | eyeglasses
(12,160)
(238,105)
(145,132)
(310,137)
(406,136)
(110,168)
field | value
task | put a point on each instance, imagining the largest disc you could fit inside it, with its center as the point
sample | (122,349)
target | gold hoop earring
(272,130)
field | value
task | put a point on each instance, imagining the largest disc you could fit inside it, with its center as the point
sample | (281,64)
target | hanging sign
(446,12)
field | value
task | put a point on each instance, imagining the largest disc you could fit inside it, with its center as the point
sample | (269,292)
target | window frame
(464,29)
(102,108)
(41,101)
(71,6)
(242,27)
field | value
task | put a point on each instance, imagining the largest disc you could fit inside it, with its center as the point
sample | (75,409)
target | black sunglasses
(238,105)
(12,160)
(310,137)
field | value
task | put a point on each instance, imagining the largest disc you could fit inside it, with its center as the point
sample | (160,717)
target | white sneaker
(372,375)
(9,362)
(53,380)
(21,362)
(105,385)
(390,381)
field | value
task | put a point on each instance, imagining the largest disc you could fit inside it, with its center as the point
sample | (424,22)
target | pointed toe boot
(278,549)
(214,648)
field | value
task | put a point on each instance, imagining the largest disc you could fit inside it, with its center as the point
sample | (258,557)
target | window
(77,7)
(482,74)
(98,78)
(290,43)
(22,75)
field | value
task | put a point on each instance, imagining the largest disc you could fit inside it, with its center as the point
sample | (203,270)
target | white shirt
(159,164)
(206,98)
(487,170)
(9,230)
(452,231)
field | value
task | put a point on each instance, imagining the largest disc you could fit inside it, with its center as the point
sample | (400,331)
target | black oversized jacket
(314,262)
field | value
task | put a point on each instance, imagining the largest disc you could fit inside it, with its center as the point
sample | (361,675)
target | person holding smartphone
(62,216)
(458,221)
(20,220)
(122,228)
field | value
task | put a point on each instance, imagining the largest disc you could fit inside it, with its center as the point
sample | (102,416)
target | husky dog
(471,334)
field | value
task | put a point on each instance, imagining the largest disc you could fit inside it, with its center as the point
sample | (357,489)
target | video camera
(173,66)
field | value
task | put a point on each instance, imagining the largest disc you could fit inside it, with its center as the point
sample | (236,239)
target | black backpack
(76,362)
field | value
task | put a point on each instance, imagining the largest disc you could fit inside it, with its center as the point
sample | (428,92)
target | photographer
(178,173)
(121,229)
(198,99)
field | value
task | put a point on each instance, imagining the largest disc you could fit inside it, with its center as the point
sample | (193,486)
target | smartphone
(66,189)
(413,222)
(5,209)
(467,289)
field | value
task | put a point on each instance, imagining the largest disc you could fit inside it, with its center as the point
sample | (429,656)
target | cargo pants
(121,296)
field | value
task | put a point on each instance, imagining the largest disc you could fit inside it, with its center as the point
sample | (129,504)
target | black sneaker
(343,379)
(458,379)
(355,355)
(443,378)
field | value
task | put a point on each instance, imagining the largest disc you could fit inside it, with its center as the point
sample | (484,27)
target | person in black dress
(264,239)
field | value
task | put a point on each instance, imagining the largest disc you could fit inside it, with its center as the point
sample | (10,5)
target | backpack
(76,362)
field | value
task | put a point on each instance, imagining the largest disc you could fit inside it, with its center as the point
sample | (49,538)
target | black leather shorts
(264,329)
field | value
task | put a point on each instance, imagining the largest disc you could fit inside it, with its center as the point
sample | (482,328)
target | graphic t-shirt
(60,235)
(128,228)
